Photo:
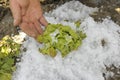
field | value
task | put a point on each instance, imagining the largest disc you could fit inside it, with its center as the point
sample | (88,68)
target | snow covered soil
(100,48)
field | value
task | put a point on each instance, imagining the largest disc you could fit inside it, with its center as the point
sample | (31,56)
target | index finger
(16,12)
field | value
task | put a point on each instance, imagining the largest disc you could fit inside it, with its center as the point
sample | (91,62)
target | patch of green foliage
(60,37)
(9,50)
(77,23)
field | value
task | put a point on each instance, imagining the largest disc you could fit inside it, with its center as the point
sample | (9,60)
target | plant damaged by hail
(58,37)
(9,50)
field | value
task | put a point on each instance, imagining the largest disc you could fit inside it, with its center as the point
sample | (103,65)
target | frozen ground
(100,48)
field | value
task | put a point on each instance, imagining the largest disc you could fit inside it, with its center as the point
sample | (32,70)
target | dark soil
(6,25)
(114,70)
(107,8)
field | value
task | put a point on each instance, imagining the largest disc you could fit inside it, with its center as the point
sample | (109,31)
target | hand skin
(28,15)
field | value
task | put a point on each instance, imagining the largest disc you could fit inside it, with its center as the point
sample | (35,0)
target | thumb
(16,12)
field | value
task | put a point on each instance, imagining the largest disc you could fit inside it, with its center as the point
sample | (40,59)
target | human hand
(28,15)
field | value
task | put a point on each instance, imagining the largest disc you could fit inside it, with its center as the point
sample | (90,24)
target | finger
(25,28)
(31,25)
(24,4)
(24,9)
(16,11)
(38,27)
(43,21)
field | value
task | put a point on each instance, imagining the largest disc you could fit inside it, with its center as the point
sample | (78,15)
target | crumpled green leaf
(61,38)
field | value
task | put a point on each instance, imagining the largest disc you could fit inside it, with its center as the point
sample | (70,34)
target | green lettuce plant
(58,37)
